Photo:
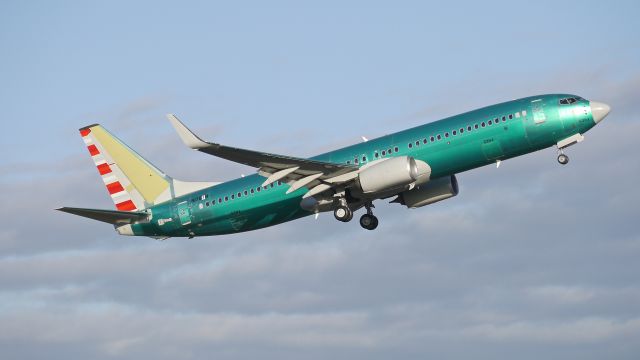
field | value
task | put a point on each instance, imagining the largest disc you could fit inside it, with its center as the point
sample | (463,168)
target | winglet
(187,136)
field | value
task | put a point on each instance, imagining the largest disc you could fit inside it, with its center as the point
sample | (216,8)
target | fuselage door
(184,213)
(537,107)
(536,122)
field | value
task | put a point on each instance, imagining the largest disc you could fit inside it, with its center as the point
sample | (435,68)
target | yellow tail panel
(132,182)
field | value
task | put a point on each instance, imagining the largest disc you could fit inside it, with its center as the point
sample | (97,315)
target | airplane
(416,167)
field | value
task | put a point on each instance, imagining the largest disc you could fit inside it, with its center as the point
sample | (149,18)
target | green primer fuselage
(529,124)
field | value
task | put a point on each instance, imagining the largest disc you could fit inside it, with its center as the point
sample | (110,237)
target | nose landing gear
(563,159)
(565,143)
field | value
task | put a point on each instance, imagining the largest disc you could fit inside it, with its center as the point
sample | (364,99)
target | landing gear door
(184,213)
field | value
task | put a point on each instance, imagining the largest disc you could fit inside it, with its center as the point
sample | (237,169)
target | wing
(317,176)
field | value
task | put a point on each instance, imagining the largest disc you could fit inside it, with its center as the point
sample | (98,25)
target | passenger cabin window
(489,123)
(454,132)
(439,136)
(396,149)
(410,145)
(432,139)
(510,117)
(424,141)
(469,128)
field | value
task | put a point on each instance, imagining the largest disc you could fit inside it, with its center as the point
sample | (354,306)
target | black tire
(563,159)
(350,217)
(343,213)
(368,222)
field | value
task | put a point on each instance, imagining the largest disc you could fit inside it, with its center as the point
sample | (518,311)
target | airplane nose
(599,110)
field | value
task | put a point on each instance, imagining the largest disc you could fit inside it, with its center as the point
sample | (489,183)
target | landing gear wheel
(368,222)
(563,159)
(343,213)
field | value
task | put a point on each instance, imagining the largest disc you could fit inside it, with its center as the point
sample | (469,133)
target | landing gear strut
(368,220)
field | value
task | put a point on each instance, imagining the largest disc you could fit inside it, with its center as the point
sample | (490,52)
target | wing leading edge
(298,172)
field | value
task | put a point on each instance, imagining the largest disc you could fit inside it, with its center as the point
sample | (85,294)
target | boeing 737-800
(415,167)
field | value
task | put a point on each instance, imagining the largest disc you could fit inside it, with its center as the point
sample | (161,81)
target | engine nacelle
(388,174)
(430,192)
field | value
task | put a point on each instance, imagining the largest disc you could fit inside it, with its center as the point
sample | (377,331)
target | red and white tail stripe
(120,196)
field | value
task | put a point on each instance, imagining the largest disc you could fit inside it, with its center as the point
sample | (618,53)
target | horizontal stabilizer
(108,216)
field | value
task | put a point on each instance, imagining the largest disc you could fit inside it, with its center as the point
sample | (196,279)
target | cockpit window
(568,101)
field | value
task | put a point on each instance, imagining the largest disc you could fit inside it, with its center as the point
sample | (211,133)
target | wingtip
(188,137)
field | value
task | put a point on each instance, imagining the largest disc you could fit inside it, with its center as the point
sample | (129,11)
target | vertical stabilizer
(132,182)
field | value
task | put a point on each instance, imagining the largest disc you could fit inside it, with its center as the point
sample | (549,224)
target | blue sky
(529,259)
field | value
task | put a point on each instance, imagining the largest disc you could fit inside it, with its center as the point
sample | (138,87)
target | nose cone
(599,110)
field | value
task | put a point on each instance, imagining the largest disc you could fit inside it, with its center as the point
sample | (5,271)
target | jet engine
(389,174)
(429,193)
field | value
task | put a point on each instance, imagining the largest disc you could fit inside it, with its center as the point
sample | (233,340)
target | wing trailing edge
(298,172)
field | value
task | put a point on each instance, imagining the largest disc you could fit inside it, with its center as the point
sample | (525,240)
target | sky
(531,260)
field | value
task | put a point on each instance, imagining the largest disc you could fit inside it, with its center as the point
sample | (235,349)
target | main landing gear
(368,220)
(343,213)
